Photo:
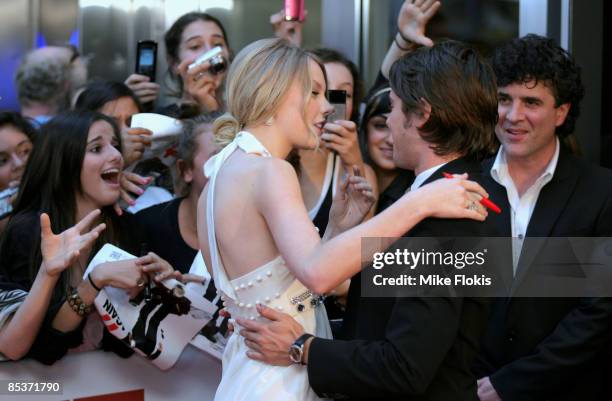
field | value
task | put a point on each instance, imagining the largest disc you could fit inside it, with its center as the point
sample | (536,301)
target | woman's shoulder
(132,233)
(275,168)
(277,182)
(154,212)
(261,171)
(274,173)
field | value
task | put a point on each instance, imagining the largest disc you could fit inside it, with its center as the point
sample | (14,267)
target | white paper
(160,125)
(158,328)
(213,344)
(166,131)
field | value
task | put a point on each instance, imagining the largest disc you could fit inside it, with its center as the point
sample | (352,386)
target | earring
(269,121)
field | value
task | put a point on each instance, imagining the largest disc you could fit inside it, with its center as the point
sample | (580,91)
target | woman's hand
(135,140)
(341,137)
(200,85)
(189,278)
(156,267)
(145,90)
(124,274)
(413,18)
(352,203)
(132,183)
(62,250)
(456,198)
(289,30)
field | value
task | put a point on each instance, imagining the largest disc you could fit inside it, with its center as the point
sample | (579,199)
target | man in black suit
(417,348)
(544,348)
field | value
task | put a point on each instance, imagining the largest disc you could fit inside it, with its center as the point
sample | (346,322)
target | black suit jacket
(554,348)
(407,348)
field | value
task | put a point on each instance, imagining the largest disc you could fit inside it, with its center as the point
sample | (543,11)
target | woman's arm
(126,274)
(411,23)
(321,266)
(20,330)
(59,252)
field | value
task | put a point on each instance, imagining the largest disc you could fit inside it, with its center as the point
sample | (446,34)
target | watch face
(295,354)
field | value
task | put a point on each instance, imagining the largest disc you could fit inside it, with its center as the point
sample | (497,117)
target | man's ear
(561,114)
(422,117)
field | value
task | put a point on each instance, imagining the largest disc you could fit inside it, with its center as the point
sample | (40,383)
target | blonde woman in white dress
(254,230)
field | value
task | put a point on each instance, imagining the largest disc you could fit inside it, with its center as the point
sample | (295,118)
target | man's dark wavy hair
(460,88)
(540,59)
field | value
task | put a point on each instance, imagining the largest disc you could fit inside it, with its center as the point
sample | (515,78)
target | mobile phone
(337,98)
(294,10)
(146,58)
(6,207)
(215,56)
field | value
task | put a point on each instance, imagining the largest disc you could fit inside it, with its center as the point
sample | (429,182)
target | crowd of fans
(77,164)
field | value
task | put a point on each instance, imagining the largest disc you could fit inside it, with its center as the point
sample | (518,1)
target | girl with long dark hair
(73,171)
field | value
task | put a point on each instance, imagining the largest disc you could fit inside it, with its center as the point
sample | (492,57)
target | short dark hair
(326,55)
(460,87)
(97,94)
(540,59)
(15,120)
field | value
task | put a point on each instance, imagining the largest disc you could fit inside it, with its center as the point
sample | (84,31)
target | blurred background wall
(106,33)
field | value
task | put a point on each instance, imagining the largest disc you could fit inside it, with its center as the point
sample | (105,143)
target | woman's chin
(310,144)
(108,201)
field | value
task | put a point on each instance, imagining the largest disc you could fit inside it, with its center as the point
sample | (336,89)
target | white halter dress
(273,285)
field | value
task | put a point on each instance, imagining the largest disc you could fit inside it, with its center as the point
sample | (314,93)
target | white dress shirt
(521,206)
(423,176)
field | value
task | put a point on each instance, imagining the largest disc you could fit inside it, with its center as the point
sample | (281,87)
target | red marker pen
(486,202)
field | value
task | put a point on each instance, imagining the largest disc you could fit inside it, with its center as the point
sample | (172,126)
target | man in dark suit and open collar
(544,348)
(444,110)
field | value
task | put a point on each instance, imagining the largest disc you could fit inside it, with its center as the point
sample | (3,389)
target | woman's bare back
(243,237)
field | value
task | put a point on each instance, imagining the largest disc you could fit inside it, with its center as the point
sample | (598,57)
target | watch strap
(299,343)
(302,339)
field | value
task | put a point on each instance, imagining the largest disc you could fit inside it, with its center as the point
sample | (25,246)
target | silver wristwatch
(296,351)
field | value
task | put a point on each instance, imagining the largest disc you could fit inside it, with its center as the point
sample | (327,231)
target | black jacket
(407,348)
(554,348)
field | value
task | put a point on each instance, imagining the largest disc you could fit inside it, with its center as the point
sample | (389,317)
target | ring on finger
(472,206)
(140,282)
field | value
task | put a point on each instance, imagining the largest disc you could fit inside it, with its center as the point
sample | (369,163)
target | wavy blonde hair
(258,82)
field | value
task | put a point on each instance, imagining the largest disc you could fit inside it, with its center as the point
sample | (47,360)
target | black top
(15,261)
(160,223)
(322,217)
(391,194)
(395,190)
